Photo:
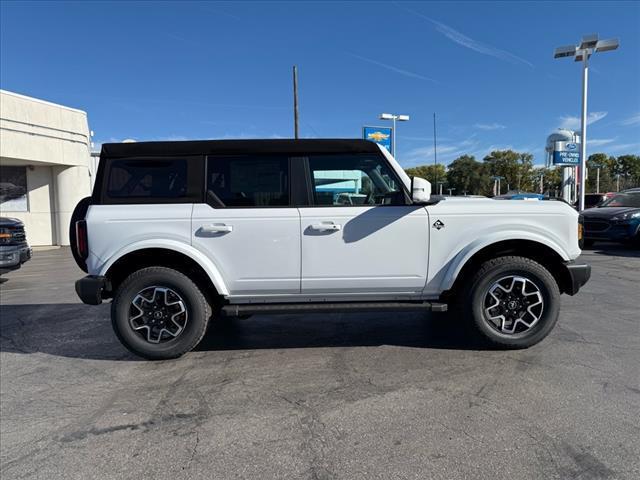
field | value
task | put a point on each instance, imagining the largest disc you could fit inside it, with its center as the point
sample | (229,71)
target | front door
(361,236)
(247,227)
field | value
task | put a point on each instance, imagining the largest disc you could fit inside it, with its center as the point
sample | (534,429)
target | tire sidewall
(183,286)
(550,296)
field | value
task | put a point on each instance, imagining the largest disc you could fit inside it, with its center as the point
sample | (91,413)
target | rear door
(361,235)
(247,225)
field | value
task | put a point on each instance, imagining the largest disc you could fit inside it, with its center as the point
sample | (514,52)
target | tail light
(581,232)
(82,242)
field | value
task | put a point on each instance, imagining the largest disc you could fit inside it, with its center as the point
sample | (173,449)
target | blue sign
(570,157)
(380,135)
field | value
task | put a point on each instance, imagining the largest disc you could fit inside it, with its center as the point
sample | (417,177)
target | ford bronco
(178,234)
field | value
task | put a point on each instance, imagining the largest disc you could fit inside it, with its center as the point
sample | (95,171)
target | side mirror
(420,190)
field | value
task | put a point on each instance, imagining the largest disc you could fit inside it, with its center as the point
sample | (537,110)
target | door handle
(326,227)
(216,228)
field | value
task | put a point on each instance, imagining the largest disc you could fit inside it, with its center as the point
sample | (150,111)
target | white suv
(181,233)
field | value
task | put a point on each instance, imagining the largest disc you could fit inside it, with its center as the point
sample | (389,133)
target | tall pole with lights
(393,117)
(588,46)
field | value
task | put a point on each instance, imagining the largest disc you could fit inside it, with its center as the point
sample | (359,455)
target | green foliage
(465,175)
(433,173)
(515,167)
(624,170)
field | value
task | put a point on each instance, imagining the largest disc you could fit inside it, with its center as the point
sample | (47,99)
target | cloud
(573,123)
(461,39)
(598,142)
(632,120)
(446,152)
(490,126)
(401,71)
(624,148)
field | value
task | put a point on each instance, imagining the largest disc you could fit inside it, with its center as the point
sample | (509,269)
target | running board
(325,307)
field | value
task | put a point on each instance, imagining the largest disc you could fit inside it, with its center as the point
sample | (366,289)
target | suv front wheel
(159,313)
(513,302)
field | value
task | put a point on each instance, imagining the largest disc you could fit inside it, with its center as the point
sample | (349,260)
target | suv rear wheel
(512,302)
(159,313)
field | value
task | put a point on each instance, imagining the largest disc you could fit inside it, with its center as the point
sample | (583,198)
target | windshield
(623,200)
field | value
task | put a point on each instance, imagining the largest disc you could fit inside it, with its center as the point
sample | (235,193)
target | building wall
(53,143)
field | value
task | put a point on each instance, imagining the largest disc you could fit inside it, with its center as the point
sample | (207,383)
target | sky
(198,70)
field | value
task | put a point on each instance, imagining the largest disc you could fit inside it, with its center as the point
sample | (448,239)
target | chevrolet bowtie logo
(378,136)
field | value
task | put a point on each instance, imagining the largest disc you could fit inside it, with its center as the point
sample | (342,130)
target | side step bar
(337,307)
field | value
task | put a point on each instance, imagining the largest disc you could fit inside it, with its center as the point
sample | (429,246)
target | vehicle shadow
(79,331)
(615,250)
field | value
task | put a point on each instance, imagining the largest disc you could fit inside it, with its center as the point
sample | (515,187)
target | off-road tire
(198,313)
(470,301)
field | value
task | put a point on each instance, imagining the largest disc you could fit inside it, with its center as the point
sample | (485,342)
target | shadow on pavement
(79,331)
(615,250)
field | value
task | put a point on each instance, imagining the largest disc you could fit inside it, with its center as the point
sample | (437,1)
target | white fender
(201,259)
(464,255)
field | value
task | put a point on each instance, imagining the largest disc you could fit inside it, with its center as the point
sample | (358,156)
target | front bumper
(611,231)
(13,256)
(578,276)
(90,289)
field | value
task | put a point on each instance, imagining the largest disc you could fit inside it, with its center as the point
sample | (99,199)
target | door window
(352,180)
(248,181)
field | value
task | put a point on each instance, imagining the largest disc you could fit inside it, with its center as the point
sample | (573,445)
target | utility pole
(435,151)
(295,102)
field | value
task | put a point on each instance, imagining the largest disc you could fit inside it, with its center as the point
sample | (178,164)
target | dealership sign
(566,154)
(380,135)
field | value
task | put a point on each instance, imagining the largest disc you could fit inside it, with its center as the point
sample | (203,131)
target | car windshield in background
(623,200)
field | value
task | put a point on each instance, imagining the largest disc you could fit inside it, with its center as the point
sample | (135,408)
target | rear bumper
(578,276)
(90,289)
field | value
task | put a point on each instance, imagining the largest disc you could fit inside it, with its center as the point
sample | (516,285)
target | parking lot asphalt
(357,396)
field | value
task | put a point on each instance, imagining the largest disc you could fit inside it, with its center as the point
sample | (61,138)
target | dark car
(14,249)
(616,219)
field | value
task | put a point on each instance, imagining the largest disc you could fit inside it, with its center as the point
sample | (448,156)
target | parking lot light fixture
(589,45)
(393,117)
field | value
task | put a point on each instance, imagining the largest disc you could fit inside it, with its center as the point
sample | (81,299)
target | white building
(44,165)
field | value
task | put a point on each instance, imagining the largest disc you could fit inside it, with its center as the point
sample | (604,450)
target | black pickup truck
(14,249)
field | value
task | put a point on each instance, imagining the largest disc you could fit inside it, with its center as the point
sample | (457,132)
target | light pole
(496,183)
(588,46)
(541,183)
(393,117)
(598,177)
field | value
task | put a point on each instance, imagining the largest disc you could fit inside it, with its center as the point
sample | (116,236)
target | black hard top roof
(236,147)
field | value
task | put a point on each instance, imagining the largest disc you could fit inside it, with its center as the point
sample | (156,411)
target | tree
(515,167)
(465,174)
(433,173)
(608,170)
(551,181)
(629,167)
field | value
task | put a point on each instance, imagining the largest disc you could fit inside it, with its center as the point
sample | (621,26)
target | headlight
(626,216)
(5,235)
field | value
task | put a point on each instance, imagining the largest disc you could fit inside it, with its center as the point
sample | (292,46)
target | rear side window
(154,180)
(252,181)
